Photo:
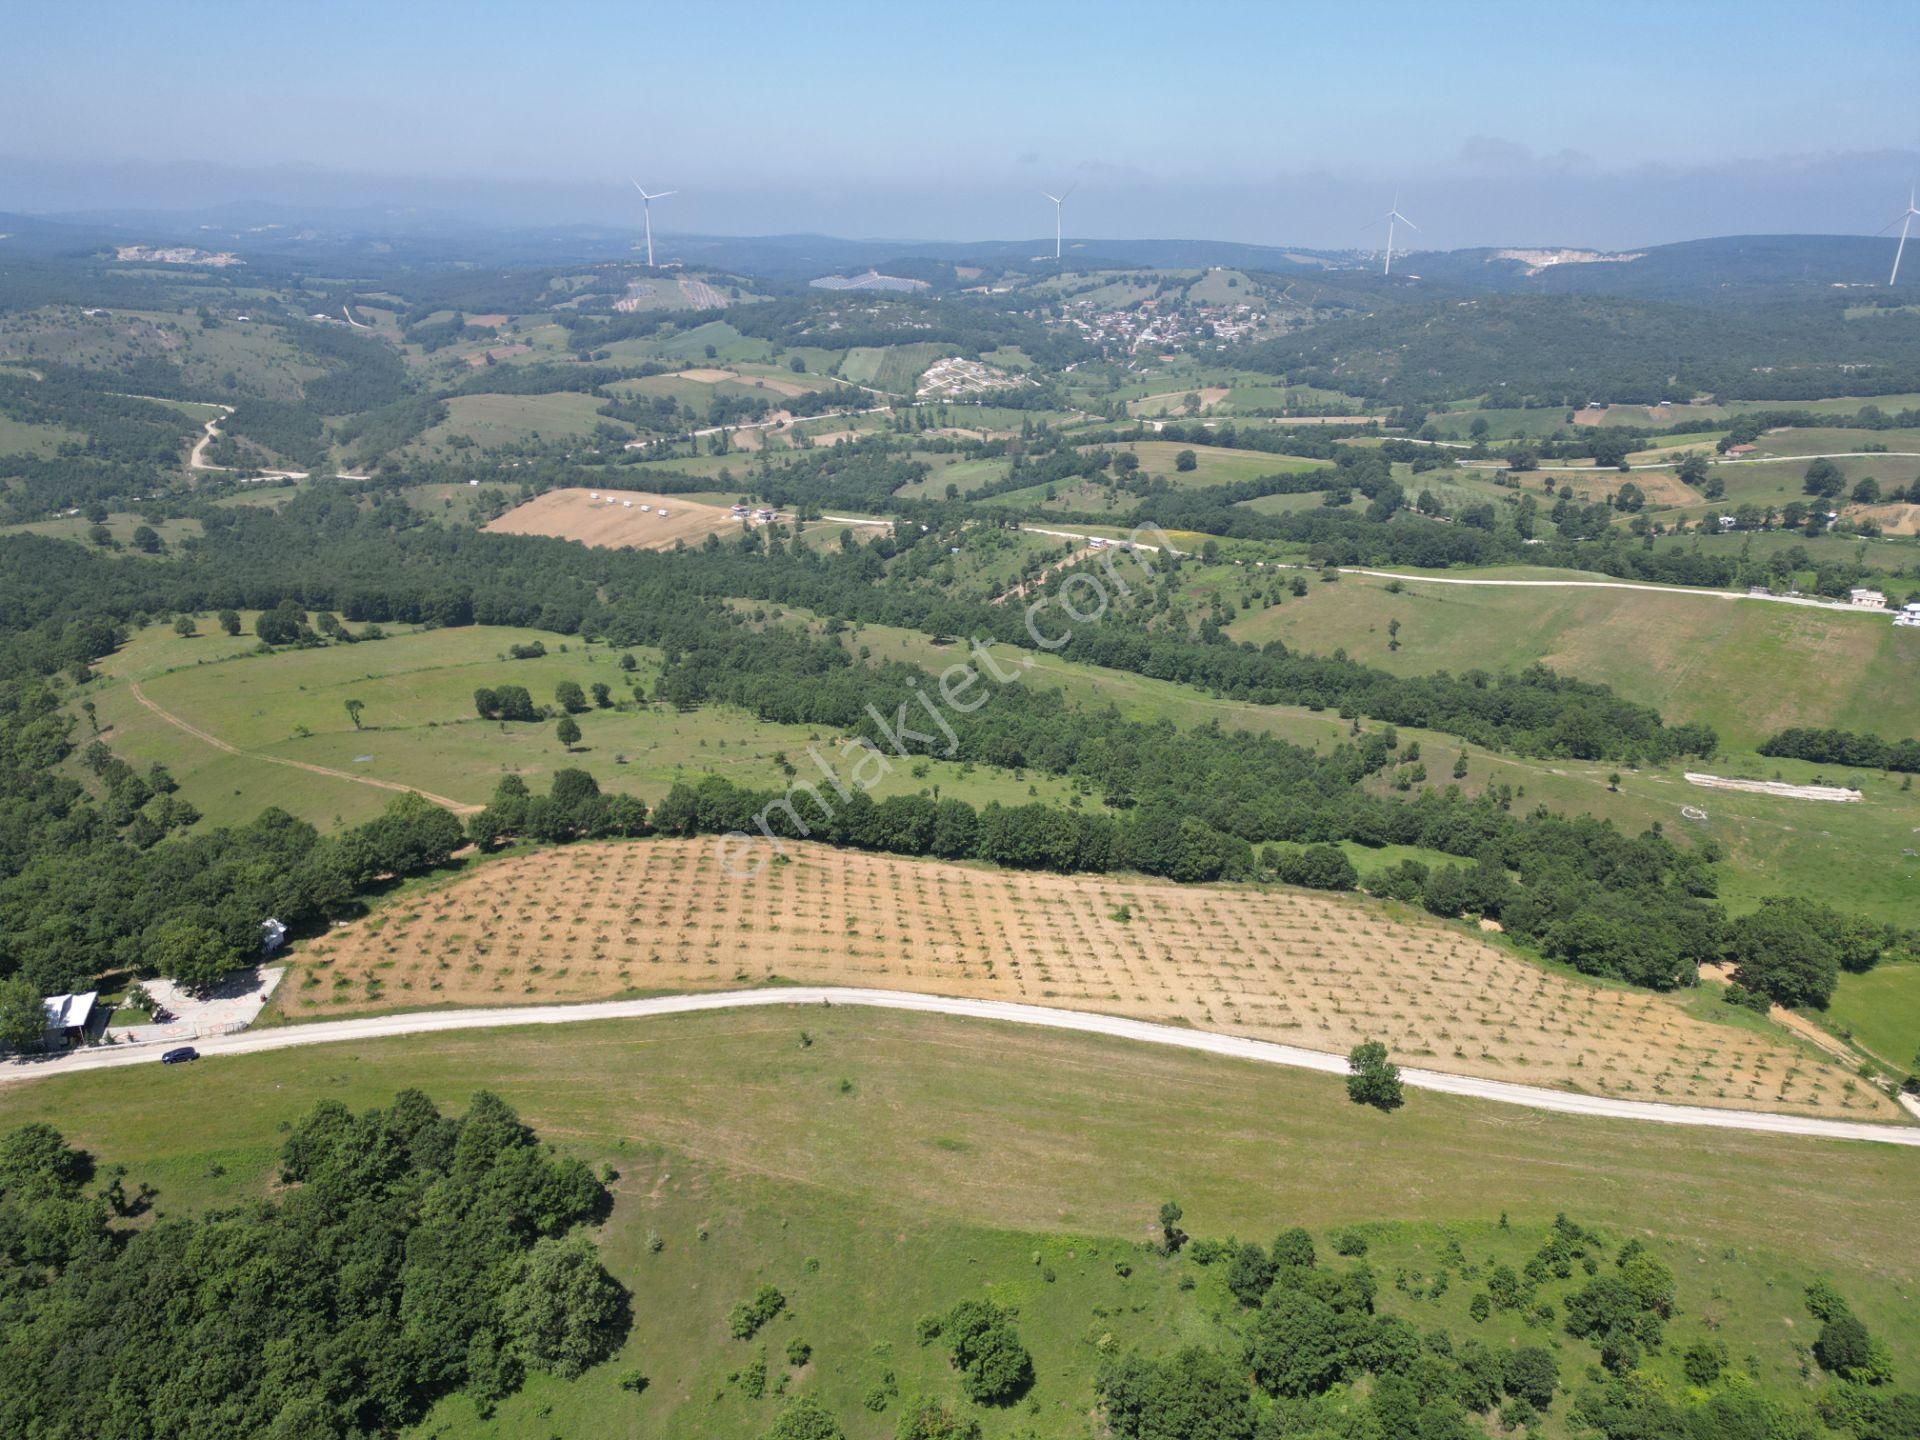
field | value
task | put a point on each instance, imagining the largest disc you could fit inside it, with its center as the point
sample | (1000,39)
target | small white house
(272,935)
(1908,614)
(68,1017)
(1867,599)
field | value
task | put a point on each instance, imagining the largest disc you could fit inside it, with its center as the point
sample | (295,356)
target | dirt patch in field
(498,352)
(708,375)
(1314,970)
(1171,402)
(1661,487)
(1893,519)
(486,322)
(621,524)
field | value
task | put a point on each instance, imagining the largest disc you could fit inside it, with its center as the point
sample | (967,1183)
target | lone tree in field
(1172,1237)
(1824,479)
(184,627)
(1373,1079)
(569,731)
(354,707)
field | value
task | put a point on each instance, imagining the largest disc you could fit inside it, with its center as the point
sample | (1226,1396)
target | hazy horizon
(1236,123)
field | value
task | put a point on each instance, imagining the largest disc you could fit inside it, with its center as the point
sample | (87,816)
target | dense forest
(405,1255)
(1568,350)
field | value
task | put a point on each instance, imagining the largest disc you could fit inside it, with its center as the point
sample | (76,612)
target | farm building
(1909,614)
(1867,599)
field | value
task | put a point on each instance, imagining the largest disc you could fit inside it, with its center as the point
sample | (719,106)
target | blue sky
(1616,123)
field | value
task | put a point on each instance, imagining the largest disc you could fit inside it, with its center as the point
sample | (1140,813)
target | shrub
(1844,1347)
(1703,1361)
(928,1419)
(805,1418)
(1530,1374)
(1250,1273)
(994,1366)
(745,1319)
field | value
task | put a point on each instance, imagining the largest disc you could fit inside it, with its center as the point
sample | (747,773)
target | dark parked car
(180,1055)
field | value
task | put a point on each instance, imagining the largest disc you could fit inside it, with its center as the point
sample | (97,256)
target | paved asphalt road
(1237,1047)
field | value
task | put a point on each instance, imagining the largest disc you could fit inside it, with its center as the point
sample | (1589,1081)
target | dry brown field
(1309,969)
(1169,403)
(1893,519)
(574,515)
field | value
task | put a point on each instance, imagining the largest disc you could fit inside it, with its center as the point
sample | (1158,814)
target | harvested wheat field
(1316,970)
(615,520)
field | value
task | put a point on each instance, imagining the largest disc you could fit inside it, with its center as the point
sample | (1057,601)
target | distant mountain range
(279,238)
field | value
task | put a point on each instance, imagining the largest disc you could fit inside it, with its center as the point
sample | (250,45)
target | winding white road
(1142,1031)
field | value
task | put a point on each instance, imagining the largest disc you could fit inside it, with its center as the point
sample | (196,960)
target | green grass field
(490,421)
(894,368)
(21,437)
(1881,1009)
(119,524)
(898,1164)
(1850,855)
(1747,668)
(421,729)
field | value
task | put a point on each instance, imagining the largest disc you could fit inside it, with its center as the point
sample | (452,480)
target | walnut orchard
(921,725)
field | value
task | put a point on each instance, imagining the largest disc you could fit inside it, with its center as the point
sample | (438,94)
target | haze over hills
(380,239)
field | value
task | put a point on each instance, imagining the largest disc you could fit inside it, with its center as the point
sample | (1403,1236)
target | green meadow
(1748,668)
(1881,1010)
(421,730)
(893,1165)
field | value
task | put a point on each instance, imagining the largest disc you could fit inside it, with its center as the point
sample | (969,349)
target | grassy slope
(421,728)
(1848,854)
(962,1149)
(1882,1010)
(1745,668)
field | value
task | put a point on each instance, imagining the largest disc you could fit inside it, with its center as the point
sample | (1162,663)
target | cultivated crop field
(574,515)
(1319,971)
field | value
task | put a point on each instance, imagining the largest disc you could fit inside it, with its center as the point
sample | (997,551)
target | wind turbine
(646,204)
(1905,221)
(1392,216)
(1058,200)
